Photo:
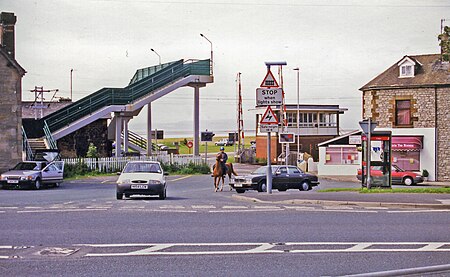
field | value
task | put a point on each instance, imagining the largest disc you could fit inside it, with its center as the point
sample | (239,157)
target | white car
(33,175)
(141,178)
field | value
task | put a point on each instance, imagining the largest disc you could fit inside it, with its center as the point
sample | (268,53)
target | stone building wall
(443,133)
(10,115)
(380,104)
(77,143)
(425,114)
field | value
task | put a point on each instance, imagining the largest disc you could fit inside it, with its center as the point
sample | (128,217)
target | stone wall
(380,105)
(10,115)
(443,133)
(77,143)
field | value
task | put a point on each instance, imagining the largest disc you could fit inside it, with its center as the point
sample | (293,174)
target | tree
(92,151)
(445,43)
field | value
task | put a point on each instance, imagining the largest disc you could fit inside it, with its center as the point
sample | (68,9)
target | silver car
(33,174)
(141,178)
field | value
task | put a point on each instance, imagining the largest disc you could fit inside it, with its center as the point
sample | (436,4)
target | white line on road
(61,211)
(181,178)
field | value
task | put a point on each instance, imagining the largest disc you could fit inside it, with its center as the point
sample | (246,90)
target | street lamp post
(298,112)
(71,72)
(153,50)
(203,36)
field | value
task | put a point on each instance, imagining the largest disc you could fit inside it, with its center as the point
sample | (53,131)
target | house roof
(429,71)
(12,61)
(343,139)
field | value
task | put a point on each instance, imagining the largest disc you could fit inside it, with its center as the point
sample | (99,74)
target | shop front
(406,152)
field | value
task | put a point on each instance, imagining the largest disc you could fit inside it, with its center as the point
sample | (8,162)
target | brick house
(412,99)
(11,74)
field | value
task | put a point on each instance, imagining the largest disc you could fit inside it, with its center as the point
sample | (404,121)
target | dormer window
(406,71)
(407,67)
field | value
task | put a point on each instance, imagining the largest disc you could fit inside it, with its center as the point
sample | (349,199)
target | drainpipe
(436,168)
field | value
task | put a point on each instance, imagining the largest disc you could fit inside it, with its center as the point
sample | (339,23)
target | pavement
(314,197)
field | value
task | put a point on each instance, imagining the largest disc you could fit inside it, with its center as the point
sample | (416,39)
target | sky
(339,46)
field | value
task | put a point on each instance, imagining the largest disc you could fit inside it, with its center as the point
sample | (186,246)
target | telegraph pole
(39,100)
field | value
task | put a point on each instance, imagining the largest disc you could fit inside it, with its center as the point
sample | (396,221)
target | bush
(79,168)
(191,168)
(425,173)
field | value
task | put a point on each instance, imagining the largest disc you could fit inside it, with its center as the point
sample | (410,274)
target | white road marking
(181,178)
(203,207)
(172,207)
(61,211)
(7,208)
(234,207)
(420,211)
(267,248)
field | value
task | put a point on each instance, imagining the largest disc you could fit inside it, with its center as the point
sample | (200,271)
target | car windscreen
(263,170)
(142,167)
(26,166)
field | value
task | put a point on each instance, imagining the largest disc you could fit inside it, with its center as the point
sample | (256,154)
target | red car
(399,176)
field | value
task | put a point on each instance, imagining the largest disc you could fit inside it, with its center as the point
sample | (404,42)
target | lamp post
(153,50)
(203,36)
(367,125)
(71,72)
(298,112)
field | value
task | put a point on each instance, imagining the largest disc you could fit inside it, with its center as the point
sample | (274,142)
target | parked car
(398,175)
(224,142)
(142,178)
(283,178)
(33,175)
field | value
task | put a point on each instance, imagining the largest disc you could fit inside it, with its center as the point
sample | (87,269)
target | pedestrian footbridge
(121,104)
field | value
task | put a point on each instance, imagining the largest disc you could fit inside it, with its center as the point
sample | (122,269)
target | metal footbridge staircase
(147,85)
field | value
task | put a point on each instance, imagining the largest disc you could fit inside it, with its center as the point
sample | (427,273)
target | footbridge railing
(122,96)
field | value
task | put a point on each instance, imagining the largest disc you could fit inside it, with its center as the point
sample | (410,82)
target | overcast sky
(338,45)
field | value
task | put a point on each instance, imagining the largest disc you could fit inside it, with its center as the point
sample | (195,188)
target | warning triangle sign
(269,81)
(269,117)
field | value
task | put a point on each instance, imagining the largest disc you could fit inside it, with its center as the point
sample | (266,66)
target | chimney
(7,40)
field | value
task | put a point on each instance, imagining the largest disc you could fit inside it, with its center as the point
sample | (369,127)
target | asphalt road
(80,229)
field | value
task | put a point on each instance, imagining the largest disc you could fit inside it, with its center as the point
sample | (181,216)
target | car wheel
(57,185)
(37,184)
(240,190)
(305,186)
(119,196)
(127,195)
(262,187)
(162,195)
(408,181)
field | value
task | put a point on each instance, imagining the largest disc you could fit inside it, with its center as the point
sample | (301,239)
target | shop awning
(407,143)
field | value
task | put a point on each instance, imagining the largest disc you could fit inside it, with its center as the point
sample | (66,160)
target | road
(80,229)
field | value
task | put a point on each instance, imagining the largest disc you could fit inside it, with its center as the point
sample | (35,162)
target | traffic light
(207,136)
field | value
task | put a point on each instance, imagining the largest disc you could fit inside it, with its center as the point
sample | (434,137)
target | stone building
(412,99)
(11,74)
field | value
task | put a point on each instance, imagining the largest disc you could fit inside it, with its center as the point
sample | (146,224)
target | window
(406,71)
(308,120)
(403,112)
(341,155)
(291,119)
(327,120)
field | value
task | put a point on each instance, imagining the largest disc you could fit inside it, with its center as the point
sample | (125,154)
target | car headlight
(124,181)
(154,182)
(26,178)
(3,178)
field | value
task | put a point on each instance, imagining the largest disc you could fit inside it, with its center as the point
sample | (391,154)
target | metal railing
(48,136)
(26,146)
(122,96)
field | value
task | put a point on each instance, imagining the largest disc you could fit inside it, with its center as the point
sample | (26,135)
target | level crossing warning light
(269,81)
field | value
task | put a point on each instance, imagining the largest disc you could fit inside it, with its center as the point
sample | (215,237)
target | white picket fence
(115,164)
